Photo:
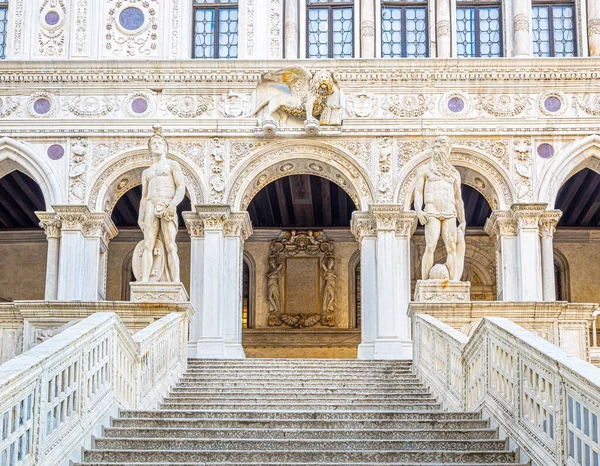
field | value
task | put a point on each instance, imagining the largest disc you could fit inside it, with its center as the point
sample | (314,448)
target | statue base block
(158,292)
(443,291)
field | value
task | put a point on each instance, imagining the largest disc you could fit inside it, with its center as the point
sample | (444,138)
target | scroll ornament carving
(593,27)
(188,106)
(405,106)
(194,151)
(362,105)
(443,28)
(384,182)
(50,223)
(105,150)
(72,217)
(90,106)
(496,148)
(233,105)
(409,149)
(242,149)
(175,28)
(360,150)
(295,243)
(504,105)
(363,225)
(78,170)
(194,224)
(275,28)
(51,38)
(217,167)
(589,103)
(520,22)
(523,170)
(528,215)
(126,43)
(250,20)
(548,222)
(18,9)
(8,105)
(81,26)
(367,29)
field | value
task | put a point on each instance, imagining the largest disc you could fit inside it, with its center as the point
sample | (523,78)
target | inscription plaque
(302,285)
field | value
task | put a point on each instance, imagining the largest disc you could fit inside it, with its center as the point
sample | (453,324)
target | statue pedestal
(443,291)
(158,292)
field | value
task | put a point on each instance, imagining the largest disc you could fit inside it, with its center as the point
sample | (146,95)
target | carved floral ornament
(301,244)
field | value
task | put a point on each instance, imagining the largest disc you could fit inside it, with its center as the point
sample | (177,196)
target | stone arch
(477,170)
(578,155)
(123,172)
(298,158)
(15,155)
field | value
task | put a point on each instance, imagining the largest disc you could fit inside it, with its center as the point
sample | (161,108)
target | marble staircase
(299,412)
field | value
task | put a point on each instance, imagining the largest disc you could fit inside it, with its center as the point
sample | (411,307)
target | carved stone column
(367,29)
(52,227)
(529,264)
(363,229)
(593,18)
(443,29)
(237,229)
(291,29)
(207,294)
(522,40)
(98,231)
(406,224)
(548,222)
(503,227)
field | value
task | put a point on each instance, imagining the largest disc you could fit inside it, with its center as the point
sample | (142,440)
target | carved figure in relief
(328,301)
(306,96)
(273,275)
(163,190)
(439,204)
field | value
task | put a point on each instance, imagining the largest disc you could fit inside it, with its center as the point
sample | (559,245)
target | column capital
(238,224)
(363,225)
(100,225)
(213,215)
(51,224)
(501,223)
(548,221)
(406,224)
(386,216)
(527,216)
(194,224)
(72,217)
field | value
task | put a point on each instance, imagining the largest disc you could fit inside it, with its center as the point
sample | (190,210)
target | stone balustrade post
(52,227)
(529,264)
(291,29)
(237,229)
(522,38)
(593,23)
(548,222)
(443,29)
(363,229)
(367,29)
(503,227)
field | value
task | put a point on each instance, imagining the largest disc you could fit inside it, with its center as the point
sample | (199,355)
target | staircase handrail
(541,396)
(54,396)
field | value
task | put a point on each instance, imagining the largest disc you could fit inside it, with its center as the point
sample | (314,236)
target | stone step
(314,444)
(356,425)
(278,433)
(247,414)
(306,384)
(292,370)
(286,398)
(280,457)
(303,405)
(278,463)
(299,362)
(234,391)
(273,380)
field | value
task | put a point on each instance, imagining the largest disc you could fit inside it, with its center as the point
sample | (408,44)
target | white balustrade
(545,399)
(55,395)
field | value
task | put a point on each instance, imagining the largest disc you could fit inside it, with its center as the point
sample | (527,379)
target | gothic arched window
(215,32)
(404,29)
(553,29)
(478,28)
(330,29)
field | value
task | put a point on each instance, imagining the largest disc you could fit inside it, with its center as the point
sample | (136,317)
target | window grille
(330,29)
(3,28)
(479,29)
(404,29)
(553,29)
(215,32)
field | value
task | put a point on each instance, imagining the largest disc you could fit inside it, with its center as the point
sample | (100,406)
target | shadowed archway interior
(579,200)
(20,197)
(301,201)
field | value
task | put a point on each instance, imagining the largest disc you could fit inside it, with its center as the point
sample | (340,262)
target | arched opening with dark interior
(302,250)
(575,239)
(23,244)
(120,253)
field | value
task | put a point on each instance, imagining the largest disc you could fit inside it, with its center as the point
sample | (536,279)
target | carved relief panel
(301,280)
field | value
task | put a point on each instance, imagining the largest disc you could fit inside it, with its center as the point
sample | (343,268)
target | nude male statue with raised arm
(163,189)
(438,187)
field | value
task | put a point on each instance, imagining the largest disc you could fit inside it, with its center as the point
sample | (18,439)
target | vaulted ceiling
(579,200)
(20,197)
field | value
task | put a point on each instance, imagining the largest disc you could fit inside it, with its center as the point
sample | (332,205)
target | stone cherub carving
(306,97)
(439,204)
(163,189)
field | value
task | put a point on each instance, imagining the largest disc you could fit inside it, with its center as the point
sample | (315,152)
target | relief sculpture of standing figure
(438,205)
(273,274)
(163,189)
(329,288)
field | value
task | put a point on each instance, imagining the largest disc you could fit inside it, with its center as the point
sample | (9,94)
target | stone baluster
(593,26)
(367,29)
(529,263)
(503,227)
(237,229)
(363,229)
(548,222)
(52,227)
(291,29)
(443,29)
(522,39)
